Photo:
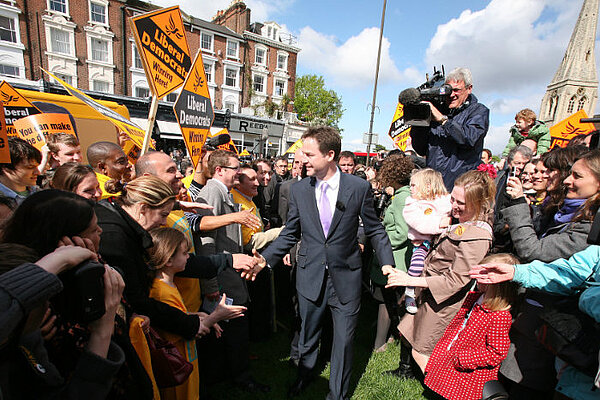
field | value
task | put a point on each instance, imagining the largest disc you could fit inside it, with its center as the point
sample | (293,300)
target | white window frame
(134,51)
(136,88)
(287,56)
(237,49)
(212,41)
(70,35)
(265,58)
(64,77)
(209,71)
(93,51)
(14,30)
(237,77)
(16,67)
(102,3)
(58,12)
(264,83)
(103,82)
(284,81)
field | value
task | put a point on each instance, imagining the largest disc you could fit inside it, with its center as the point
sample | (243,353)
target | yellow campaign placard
(399,131)
(244,153)
(16,106)
(36,129)
(4,150)
(229,146)
(135,133)
(297,144)
(163,48)
(194,111)
(562,133)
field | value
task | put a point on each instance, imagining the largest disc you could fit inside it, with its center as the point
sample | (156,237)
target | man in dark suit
(323,213)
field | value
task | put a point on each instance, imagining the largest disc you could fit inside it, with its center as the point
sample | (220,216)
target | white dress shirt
(333,187)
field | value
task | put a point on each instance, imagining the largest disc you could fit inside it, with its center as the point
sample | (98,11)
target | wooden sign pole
(151,120)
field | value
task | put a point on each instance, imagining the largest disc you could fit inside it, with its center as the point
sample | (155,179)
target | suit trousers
(345,318)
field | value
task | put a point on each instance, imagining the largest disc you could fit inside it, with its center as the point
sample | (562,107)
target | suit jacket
(338,251)
(284,198)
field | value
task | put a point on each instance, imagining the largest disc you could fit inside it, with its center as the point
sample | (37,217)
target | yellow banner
(163,48)
(36,129)
(4,150)
(562,133)
(16,106)
(135,133)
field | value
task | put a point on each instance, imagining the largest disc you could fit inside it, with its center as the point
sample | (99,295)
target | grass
(367,383)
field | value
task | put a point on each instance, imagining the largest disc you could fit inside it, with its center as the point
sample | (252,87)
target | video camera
(434,90)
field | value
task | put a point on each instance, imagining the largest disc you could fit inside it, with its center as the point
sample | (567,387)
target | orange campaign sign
(194,111)
(230,146)
(16,106)
(163,47)
(35,129)
(399,131)
(4,150)
(562,133)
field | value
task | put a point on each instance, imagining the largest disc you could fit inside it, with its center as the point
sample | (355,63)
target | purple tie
(324,209)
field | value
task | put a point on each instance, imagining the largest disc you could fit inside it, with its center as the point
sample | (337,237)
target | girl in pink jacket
(427,214)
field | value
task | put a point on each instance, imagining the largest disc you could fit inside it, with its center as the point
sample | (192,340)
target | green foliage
(315,104)
(270,107)
(379,147)
(496,158)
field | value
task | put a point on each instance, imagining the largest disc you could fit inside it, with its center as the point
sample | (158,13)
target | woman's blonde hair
(501,296)
(429,184)
(166,242)
(480,191)
(149,190)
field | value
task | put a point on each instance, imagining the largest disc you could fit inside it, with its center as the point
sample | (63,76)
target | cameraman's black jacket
(455,147)
(123,244)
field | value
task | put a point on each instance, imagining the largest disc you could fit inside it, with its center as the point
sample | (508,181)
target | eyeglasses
(232,168)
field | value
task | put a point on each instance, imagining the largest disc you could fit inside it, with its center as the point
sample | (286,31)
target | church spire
(575,84)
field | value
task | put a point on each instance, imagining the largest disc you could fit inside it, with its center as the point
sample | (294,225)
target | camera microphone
(410,96)
(217,141)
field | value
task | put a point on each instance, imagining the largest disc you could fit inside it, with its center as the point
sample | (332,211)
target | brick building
(250,68)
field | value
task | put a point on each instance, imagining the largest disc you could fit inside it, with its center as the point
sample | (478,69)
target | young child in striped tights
(427,214)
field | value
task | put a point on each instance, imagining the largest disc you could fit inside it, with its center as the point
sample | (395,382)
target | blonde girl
(427,213)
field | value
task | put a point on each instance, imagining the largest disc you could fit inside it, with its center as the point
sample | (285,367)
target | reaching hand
(65,257)
(243,263)
(514,187)
(189,206)
(260,263)
(397,278)
(223,311)
(77,241)
(492,273)
(435,113)
(247,218)
(287,260)
(388,269)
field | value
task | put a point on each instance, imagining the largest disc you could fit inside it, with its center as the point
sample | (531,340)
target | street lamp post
(373,104)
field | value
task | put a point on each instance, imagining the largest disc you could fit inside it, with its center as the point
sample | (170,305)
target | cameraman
(453,142)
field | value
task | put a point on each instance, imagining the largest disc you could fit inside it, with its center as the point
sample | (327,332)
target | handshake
(249,266)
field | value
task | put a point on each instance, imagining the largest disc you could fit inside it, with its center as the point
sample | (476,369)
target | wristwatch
(444,120)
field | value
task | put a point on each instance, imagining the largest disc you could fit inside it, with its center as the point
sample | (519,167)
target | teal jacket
(397,230)
(565,277)
(539,132)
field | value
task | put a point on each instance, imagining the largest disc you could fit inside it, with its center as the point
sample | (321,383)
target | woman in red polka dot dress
(473,346)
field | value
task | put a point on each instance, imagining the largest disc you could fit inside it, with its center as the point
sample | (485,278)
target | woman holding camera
(45,222)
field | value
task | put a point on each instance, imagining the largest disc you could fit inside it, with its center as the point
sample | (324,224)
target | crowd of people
(100,262)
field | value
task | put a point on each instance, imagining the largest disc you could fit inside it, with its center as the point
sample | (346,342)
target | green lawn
(367,381)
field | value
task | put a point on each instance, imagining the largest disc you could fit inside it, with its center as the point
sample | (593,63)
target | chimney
(236,17)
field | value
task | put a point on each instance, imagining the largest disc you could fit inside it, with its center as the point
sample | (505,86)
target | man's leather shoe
(250,385)
(298,387)
(404,371)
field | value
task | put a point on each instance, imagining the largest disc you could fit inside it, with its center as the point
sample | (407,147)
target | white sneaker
(411,305)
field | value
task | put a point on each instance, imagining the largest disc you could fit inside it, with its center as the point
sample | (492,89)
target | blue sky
(513,48)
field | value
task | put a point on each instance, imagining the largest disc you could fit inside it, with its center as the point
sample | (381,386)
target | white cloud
(261,10)
(352,63)
(497,138)
(509,48)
